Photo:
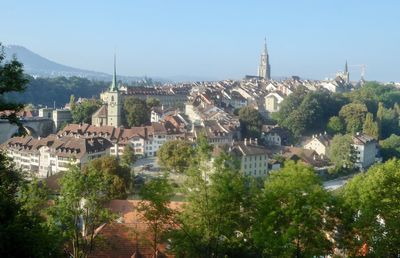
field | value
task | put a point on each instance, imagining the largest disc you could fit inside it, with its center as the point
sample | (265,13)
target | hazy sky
(210,39)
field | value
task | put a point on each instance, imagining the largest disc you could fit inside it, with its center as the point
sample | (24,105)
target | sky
(210,39)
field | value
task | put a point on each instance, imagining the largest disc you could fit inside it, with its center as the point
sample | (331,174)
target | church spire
(265,46)
(114,86)
(346,68)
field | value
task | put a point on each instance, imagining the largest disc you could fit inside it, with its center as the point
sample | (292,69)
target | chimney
(245,141)
(256,141)
(250,141)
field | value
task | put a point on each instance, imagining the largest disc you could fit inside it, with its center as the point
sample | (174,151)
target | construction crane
(362,66)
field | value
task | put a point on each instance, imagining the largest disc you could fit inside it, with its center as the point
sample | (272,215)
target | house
(47,156)
(157,114)
(319,143)
(366,149)
(275,135)
(215,132)
(273,101)
(253,157)
(306,156)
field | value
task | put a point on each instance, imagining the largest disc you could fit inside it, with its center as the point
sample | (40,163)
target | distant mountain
(39,66)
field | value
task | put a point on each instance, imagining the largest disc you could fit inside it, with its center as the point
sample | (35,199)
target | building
(319,143)
(253,157)
(61,116)
(366,150)
(264,70)
(275,135)
(273,102)
(110,113)
(144,140)
(47,156)
(215,132)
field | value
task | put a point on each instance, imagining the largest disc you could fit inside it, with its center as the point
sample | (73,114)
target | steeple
(265,46)
(264,69)
(114,86)
(346,70)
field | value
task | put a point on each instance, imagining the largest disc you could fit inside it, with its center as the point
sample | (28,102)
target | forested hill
(47,90)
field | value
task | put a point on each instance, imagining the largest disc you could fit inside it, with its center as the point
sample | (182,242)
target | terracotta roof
(130,236)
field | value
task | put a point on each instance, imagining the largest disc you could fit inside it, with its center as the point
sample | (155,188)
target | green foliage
(155,209)
(117,177)
(176,155)
(216,220)
(82,112)
(23,232)
(388,121)
(152,102)
(79,210)
(293,214)
(251,122)
(136,111)
(373,202)
(335,125)
(373,92)
(304,112)
(390,147)
(12,81)
(128,156)
(371,127)
(341,151)
(46,91)
(353,115)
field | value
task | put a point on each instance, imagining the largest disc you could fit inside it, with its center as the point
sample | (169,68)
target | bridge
(34,126)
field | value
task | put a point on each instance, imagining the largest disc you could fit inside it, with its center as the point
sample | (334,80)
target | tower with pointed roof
(346,74)
(264,69)
(114,102)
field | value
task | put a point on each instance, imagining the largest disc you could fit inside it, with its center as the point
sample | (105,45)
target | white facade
(366,150)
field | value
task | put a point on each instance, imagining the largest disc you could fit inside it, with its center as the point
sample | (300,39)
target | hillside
(39,66)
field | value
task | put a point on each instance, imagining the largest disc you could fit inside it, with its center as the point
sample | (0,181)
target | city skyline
(211,40)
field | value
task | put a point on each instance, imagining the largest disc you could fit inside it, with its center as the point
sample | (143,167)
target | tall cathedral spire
(114,86)
(264,69)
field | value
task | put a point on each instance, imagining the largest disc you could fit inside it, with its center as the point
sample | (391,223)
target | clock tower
(114,102)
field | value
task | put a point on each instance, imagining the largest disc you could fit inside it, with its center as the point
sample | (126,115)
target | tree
(353,115)
(46,91)
(293,216)
(306,112)
(117,177)
(335,125)
(215,222)
(82,112)
(176,155)
(23,232)
(12,79)
(388,121)
(79,210)
(72,103)
(250,121)
(373,199)
(341,151)
(152,102)
(128,156)
(136,111)
(155,209)
(370,126)
(390,147)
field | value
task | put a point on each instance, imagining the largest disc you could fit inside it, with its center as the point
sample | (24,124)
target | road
(336,183)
